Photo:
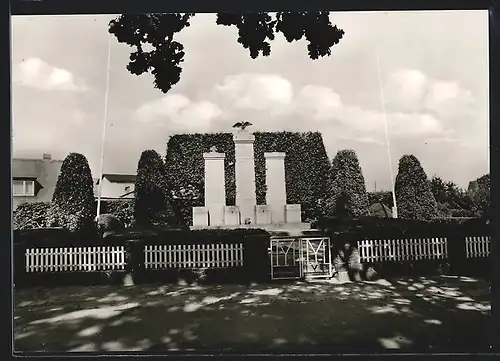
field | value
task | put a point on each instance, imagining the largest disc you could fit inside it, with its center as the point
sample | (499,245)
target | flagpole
(105,115)
(382,101)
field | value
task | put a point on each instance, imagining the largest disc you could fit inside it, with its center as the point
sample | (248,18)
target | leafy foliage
(379,210)
(384,197)
(413,191)
(72,204)
(479,191)
(108,224)
(121,209)
(255,30)
(152,203)
(31,215)
(306,168)
(452,200)
(347,190)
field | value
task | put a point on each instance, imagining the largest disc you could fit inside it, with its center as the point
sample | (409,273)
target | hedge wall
(30,215)
(306,168)
(123,209)
(356,229)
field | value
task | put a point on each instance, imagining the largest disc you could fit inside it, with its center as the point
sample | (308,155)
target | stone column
(246,199)
(215,187)
(276,188)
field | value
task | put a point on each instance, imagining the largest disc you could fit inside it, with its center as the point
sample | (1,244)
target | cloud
(179,112)
(271,103)
(410,90)
(36,73)
(255,92)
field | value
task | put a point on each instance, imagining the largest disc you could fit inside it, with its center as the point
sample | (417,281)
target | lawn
(424,315)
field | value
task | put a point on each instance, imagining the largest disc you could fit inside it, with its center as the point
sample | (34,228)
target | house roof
(120,178)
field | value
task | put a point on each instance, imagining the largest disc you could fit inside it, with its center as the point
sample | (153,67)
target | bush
(347,195)
(42,237)
(479,192)
(152,197)
(379,210)
(31,215)
(108,224)
(413,191)
(123,209)
(169,235)
(352,230)
(306,168)
(72,204)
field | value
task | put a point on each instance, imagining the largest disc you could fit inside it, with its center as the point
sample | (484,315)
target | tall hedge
(72,204)
(414,197)
(306,168)
(152,204)
(347,189)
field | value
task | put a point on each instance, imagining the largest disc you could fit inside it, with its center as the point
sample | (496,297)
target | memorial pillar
(215,187)
(246,199)
(275,184)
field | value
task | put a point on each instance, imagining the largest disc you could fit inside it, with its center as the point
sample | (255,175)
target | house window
(23,188)
(127,188)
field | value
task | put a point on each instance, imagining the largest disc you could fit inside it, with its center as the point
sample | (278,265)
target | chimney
(47,156)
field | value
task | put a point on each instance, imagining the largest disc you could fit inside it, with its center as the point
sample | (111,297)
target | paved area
(414,315)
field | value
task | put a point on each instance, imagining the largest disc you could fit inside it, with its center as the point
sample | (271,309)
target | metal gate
(295,258)
(317,257)
(285,258)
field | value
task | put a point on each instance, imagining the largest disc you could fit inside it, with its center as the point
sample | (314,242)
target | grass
(441,314)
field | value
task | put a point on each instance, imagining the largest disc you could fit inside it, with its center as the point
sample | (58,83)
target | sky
(432,89)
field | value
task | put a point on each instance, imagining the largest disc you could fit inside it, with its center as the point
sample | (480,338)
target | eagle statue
(242,125)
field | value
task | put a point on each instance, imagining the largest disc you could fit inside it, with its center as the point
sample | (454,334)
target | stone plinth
(245,175)
(262,214)
(293,213)
(275,184)
(215,187)
(231,216)
(200,217)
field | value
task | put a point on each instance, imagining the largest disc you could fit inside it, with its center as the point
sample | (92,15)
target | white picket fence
(402,249)
(477,247)
(192,256)
(418,249)
(86,259)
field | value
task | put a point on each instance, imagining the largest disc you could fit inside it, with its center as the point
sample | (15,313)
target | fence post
(256,259)
(134,259)
(456,250)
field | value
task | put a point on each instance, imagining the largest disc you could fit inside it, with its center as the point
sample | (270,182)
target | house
(116,186)
(34,180)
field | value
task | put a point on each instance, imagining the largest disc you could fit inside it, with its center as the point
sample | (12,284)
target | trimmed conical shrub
(414,196)
(347,189)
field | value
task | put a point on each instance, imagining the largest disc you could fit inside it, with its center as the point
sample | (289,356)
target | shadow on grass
(426,314)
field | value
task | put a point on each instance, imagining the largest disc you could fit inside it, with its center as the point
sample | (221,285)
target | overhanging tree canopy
(255,31)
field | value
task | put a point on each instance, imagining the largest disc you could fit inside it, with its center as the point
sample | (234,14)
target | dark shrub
(413,191)
(379,210)
(152,197)
(31,215)
(347,195)
(108,224)
(72,204)
(479,192)
(123,209)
